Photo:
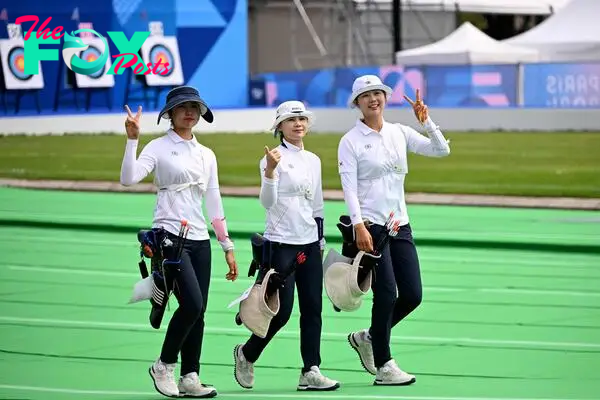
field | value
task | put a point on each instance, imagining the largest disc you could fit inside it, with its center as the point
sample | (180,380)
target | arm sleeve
(214,203)
(268,186)
(214,207)
(348,170)
(132,170)
(435,145)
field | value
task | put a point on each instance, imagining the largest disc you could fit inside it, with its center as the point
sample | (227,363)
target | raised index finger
(139,113)
(418,96)
(412,103)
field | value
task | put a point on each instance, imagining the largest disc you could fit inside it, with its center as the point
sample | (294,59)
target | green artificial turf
(504,163)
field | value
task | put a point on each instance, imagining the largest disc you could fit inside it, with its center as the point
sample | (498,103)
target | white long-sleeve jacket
(186,175)
(373,165)
(294,197)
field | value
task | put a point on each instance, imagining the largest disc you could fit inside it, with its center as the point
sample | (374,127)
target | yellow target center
(20,63)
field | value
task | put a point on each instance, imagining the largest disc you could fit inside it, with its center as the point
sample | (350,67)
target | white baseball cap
(366,83)
(291,109)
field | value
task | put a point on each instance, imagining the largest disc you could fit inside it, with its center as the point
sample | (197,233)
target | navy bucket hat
(183,94)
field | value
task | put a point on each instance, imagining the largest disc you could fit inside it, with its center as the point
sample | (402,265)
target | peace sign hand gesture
(132,123)
(419,107)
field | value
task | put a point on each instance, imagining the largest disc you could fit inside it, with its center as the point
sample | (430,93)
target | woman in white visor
(372,163)
(291,192)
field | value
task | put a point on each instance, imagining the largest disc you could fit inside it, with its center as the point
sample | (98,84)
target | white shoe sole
(212,393)
(235,361)
(354,345)
(173,396)
(309,388)
(378,382)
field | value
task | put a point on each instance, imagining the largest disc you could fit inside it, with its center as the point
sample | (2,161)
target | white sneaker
(190,386)
(391,374)
(361,343)
(244,370)
(164,380)
(314,380)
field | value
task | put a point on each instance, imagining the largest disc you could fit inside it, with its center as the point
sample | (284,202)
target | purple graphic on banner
(490,79)
(409,80)
(562,85)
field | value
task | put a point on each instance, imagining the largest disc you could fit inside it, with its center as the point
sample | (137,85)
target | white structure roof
(572,34)
(531,7)
(466,45)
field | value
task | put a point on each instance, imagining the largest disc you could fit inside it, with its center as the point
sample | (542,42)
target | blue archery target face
(161,53)
(92,54)
(16,63)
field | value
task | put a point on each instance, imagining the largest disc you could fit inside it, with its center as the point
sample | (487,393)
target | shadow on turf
(483,244)
(267,367)
(244,334)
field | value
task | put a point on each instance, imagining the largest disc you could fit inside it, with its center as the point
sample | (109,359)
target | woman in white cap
(292,195)
(186,175)
(372,163)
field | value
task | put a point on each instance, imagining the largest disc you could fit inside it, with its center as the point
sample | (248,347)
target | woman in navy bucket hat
(186,175)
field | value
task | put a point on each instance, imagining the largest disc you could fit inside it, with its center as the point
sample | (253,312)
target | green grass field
(510,163)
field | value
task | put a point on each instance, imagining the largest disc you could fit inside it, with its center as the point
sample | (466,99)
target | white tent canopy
(466,45)
(572,34)
(525,7)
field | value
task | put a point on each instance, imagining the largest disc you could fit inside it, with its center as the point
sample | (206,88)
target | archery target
(16,63)
(98,79)
(12,56)
(166,50)
(161,54)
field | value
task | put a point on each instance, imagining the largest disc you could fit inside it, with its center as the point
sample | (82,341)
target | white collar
(178,139)
(366,130)
(292,147)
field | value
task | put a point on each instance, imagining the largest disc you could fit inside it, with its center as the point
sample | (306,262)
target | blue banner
(471,86)
(332,87)
(562,85)
(442,86)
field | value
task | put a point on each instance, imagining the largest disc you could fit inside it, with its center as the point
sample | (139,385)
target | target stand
(98,82)
(65,86)
(13,79)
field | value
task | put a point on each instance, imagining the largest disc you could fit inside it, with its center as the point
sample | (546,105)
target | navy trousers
(399,266)
(308,278)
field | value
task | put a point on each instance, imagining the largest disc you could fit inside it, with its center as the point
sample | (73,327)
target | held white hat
(291,109)
(366,83)
(342,286)
(258,309)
